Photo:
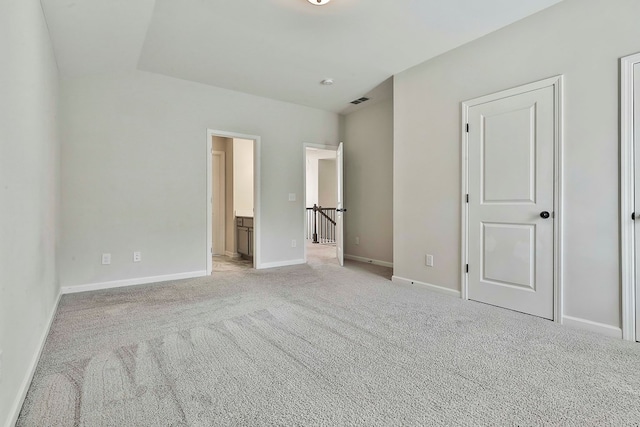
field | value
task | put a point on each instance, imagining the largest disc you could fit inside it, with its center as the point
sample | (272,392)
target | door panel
(511,169)
(508,252)
(340,205)
(509,134)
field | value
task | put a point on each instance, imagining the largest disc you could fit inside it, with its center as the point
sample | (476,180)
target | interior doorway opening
(232,202)
(320,205)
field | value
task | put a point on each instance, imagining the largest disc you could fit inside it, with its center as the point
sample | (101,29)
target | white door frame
(340,205)
(223,184)
(257,261)
(627,197)
(556,83)
(304,186)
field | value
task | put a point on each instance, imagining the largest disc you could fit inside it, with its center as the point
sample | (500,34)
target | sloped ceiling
(279,49)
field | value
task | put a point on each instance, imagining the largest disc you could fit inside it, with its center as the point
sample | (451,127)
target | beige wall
(327,183)
(29,196)
(230,241)
(226,145)
(368,162)
(581,39)
(243,177)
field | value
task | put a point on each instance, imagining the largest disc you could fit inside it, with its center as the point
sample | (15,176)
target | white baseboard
(131,282)
(429,286)
(232,254)
(369,260)
(33,364)
(280,264)
(601,328)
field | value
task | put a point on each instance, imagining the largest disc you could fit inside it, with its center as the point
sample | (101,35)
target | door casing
(340,209)
(556,83)
(630,290)
(257,259)
(304,184)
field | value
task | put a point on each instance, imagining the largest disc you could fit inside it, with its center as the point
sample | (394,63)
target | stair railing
(321,224)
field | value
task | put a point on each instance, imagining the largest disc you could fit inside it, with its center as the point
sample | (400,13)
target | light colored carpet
(321,254)
(224,263)
(320,345)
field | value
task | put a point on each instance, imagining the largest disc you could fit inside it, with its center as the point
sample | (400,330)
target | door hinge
(467,268)
(467,127)
(633,216)
(467,198)
(211,250)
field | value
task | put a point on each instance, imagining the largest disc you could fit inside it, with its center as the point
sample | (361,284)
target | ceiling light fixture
(327,82)
(319,2)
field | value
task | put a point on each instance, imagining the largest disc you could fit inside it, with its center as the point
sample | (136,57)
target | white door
(218,200)
(511,212)
(636,144)
(340,210)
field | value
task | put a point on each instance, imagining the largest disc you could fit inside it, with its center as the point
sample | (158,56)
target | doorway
(511,194)
(323,221)
(630,194)
(233,195)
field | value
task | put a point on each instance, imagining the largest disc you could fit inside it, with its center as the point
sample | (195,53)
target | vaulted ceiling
(279,49)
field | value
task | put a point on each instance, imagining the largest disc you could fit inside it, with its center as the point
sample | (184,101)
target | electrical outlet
(294,243)
(357,240)
(137,257)
(428,260)
(106,259)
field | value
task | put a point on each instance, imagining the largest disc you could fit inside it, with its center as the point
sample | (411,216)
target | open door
(340,210)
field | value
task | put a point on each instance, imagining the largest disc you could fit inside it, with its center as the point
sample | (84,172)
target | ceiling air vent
(359,100)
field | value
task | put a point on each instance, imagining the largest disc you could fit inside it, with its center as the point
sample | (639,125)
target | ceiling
(279,49)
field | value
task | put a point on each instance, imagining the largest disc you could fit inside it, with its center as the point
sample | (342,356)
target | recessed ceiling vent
(359,100)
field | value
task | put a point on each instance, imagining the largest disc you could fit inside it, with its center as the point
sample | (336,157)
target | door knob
(545,214)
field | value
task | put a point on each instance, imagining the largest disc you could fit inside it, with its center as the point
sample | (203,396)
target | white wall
(327,183)
(581,39)
(313,156)
(368,158)
(29,196)
(134,172)
(312,180)
(243,177)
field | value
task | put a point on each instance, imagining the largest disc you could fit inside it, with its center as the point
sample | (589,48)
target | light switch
(292,197)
